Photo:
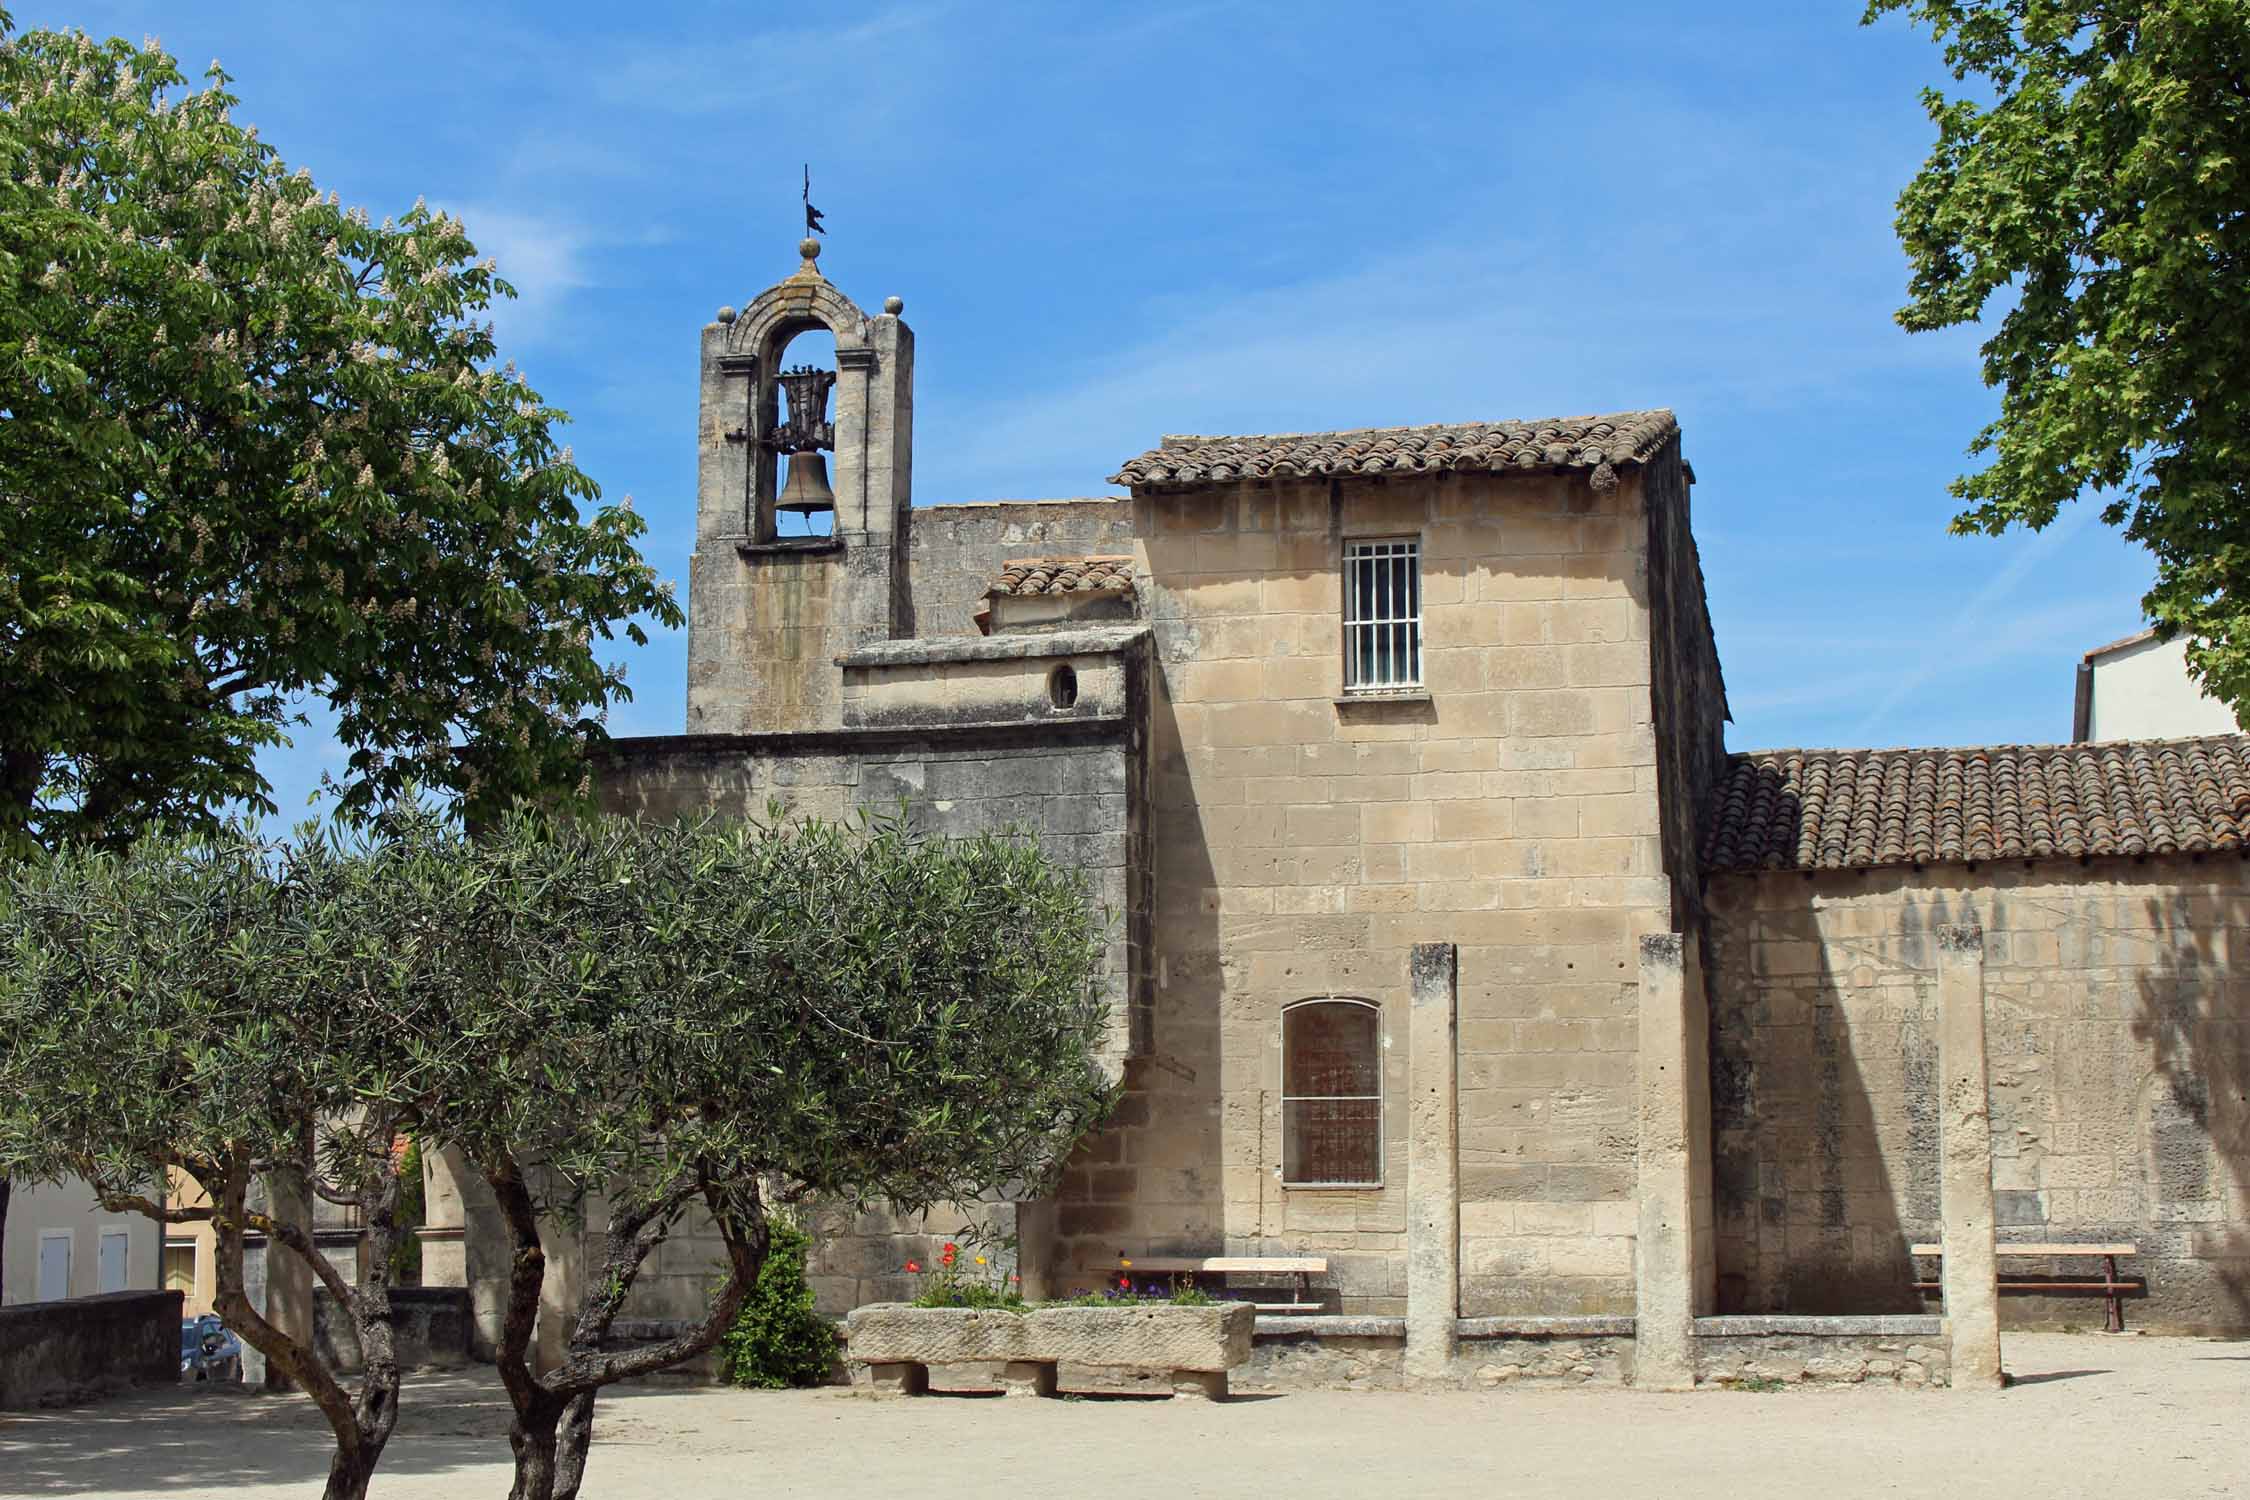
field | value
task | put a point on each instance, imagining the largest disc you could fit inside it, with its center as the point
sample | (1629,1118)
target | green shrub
(778,1340)
(969,1294)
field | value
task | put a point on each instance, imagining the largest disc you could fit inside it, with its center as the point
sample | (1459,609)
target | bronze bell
(806,491)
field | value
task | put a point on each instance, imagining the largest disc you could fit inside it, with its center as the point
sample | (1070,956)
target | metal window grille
(1383,614)
(1331,1094)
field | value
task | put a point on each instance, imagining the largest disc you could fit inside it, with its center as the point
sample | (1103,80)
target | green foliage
(174,1004)
(1183,1294)
(973,1294)
(657,1014)
(778,1340)
(256,447)
(864,1012)
(2095,182)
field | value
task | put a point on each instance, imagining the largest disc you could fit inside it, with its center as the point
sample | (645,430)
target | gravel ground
(2118,1418)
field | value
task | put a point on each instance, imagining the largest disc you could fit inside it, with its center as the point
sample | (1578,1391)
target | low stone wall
(432,1329)
(52,1352)
(1369,1354)
(1564,1351)
(1904,1350)
(1325,1354)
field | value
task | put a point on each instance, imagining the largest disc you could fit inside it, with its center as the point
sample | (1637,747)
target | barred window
(1331,1094)
(1383,614)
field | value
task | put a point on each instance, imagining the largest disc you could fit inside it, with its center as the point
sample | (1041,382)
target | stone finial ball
(809,248)
(894,305)
(726,314)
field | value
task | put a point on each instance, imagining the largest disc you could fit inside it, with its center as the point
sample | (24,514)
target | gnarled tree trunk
(553,1430)
(362,1427)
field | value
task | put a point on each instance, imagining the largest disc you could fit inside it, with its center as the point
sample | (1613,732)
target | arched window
(1331,1094)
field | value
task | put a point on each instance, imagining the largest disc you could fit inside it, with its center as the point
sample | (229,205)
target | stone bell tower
(768,612)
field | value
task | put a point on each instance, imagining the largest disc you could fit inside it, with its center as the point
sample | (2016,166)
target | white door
(54,1265)
(115,1242)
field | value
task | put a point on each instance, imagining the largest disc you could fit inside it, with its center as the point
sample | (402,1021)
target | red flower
(914,1266)
(951,1250)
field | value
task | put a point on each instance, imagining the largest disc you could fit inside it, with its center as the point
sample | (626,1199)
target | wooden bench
(2112,1286)
(1299,1268)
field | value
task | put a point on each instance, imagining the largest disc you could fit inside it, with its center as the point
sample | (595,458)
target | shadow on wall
(2194,1114)
(2120,1084)
(1151,1180)
(1809,1216)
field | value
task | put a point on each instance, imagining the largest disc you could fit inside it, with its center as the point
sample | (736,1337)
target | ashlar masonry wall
(2118,1030)
(954,552)
(964,737)
(1304,843)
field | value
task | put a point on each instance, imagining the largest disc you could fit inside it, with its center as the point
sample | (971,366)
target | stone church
(1453,945)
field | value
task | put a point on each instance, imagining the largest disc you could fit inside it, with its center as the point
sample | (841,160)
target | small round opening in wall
(1062,687)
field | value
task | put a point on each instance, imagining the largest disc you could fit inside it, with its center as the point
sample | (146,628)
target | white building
(2139,689)
(59,1243)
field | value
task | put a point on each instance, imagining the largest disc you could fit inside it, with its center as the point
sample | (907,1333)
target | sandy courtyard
(2102,1418)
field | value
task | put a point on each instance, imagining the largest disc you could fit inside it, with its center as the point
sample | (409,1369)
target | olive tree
(626,1026)
(200,1006)
(676,1023)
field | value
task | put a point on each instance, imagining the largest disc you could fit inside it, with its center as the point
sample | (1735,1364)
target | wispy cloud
(544,258)
(1981,632)
(777,70)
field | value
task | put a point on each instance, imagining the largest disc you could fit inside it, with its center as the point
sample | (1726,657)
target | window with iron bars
(1331,1094)
(1382,615)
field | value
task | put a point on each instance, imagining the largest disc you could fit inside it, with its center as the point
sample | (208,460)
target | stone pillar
(1970,1276)
(1433,1192)
(561,1290)
(289,1280)
(1031,1223)
(443,1235)
(1672,1160)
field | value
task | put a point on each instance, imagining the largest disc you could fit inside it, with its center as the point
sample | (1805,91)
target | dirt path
(2100,1418)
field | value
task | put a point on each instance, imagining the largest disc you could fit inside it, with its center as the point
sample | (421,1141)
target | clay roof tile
(1861,809)
(1553,442)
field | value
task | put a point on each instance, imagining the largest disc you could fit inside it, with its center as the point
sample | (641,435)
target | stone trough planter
(902,1350)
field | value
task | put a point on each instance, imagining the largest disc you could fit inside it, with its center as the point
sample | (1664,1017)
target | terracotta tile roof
(1857,809)
(1063,575)
(1629,437)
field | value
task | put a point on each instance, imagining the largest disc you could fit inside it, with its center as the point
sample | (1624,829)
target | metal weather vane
(812,214)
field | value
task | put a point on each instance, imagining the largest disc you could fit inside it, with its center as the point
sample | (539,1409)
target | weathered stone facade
(2119,1043)
(1654,1033)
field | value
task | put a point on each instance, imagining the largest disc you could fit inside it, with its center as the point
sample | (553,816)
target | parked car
(208,1351)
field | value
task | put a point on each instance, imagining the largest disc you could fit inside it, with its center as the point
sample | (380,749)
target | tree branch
(293,1235)
(235,1308)
(746,1241)
(135,1203)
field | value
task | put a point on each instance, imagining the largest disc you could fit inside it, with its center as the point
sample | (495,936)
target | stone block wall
(1369,1353)
(965,746)
(432,1328)
(1303,845)
(1749,1351)
(64,1350)
(1688,690)
(954,552)
(2118,1028)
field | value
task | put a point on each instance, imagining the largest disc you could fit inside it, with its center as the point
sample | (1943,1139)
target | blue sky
(1112,222)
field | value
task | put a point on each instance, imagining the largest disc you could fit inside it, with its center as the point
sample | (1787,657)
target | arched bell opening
(794,494)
